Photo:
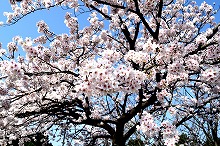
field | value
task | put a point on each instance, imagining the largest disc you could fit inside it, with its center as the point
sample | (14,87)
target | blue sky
(26,27)
(54,17)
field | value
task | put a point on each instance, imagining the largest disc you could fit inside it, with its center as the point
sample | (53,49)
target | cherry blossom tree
(142,67)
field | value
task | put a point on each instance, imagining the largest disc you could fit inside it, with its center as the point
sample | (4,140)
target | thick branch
(158,18)
(130,114)
(215,30)
(49,73)
(130,131)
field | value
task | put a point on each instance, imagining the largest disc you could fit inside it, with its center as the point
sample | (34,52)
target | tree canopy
(144,68)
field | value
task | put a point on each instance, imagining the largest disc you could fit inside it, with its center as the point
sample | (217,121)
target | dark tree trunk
(119,142)
(118,138)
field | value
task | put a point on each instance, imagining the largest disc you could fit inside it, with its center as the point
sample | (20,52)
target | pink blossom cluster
(71,23)
(5,103)
(148,5)
(3,90)
(11,68)
(193,63)
(212,53)
(161,95)
(176,72)
(212,76)
(201,40)
(100,77)
(2,51)
(148,125)
(150,128)
(41,39)
(175,67)
(137,57)
(43,28)
(12,47)
(27,6)
(170,134)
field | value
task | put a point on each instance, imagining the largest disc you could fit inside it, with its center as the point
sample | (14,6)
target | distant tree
(185,140)
(34,140)
(212,143)
(135,142)
(203,129)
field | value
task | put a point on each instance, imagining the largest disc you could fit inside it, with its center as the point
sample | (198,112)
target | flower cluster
(2,51)
(137,57)
(170,134)
(100,77)
(94,21)
(212,76)
(47,3)
(97,78)
(192,64)
(111,55)
(43,28)
(176,71)
(161,95)
(3,90)
(71,22)
(11,68)
(41,39)
(201,39)
(148,125)
(12,47)
(6,104)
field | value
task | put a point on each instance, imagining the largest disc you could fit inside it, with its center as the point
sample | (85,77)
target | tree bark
(118,141)
(118,138)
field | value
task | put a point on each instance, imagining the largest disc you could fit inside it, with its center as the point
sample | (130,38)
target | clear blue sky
(26,27)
